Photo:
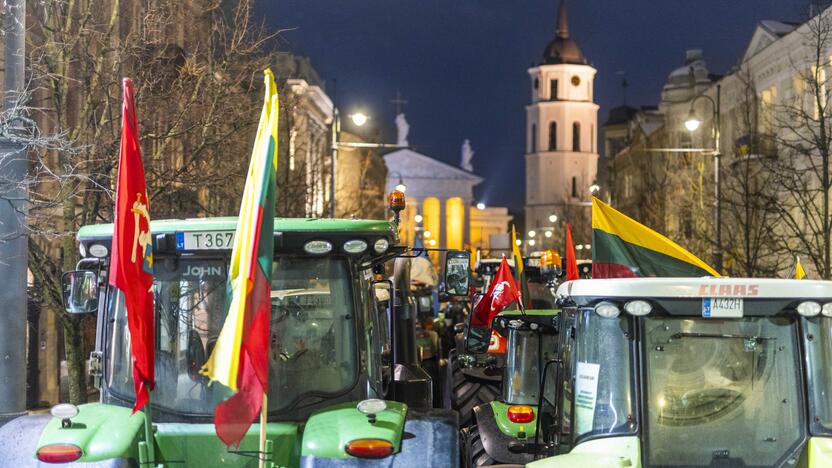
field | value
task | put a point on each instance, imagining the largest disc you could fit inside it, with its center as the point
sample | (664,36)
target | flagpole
(263,419)
(150,441)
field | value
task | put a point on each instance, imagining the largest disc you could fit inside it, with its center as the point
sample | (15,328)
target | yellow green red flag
(624,248)
(239,359)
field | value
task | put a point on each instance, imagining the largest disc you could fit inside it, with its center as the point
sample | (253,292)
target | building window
(533,143)
(576,136)
(592,137)
(553,136)
(553,89)
(574,187)
(536,83)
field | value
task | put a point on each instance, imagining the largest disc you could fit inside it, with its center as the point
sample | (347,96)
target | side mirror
(477,339)
(457,266)
(80,291)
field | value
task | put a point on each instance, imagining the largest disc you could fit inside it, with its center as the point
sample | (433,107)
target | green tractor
(683,372)
(345,385)
(504,429)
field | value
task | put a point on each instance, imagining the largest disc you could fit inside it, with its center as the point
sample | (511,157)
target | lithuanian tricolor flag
(624,248)
(239,360)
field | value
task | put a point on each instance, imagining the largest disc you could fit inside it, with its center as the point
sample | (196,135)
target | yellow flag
(799,272)
(518,257)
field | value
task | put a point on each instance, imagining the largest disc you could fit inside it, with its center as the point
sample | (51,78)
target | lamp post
(359,119)
(692,123)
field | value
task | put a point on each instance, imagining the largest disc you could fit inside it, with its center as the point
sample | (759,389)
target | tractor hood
(107,432)
(103,432)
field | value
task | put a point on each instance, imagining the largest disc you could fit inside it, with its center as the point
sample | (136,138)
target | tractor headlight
(355,246)
(381,246)
(317,247)
(808,309)
(638,308)
(607,310)
(98,250)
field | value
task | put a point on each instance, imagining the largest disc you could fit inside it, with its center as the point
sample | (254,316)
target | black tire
(474,452)
(467,392)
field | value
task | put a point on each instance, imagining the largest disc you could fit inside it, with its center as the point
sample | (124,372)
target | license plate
(722,307)
(206,240)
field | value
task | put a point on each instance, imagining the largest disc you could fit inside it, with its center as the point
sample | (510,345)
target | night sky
(462,64)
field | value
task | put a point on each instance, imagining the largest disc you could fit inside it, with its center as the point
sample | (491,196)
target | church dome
(562,49)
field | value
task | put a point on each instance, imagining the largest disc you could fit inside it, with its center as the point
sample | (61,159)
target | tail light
(369,448)
(520,414)
(59,453)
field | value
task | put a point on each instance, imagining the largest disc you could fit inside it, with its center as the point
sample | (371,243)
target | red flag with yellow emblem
(131,260)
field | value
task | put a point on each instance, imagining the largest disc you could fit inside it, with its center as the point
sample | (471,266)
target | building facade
(561,124)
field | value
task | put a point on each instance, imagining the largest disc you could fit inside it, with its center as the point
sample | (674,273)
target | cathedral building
(561,152)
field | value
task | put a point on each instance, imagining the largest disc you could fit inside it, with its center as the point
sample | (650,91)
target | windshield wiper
(721,336)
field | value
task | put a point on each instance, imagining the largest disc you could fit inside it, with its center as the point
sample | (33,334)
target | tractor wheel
(468,393)
(475,454)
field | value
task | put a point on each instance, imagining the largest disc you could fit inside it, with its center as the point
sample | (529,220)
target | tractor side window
(567,344)
(603,389)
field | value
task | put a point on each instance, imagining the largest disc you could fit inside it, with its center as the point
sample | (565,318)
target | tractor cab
(341,381)
(504,429)
(691,372)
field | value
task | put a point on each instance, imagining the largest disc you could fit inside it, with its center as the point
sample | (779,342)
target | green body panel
(102,431)
(533,312)
(509,428)
(608,452)
(820,452)
(198,445)
(328,431)
(311,225)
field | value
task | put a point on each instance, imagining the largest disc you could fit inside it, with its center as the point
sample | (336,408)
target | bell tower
(561,139)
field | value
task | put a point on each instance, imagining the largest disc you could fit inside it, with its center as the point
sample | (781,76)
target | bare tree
(197,70)
(803,138)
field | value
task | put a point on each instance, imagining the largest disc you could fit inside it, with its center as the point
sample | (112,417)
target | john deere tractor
(345,387)
(684,372)
(504,429)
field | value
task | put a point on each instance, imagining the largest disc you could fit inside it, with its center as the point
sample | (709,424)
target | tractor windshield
(312,332)
(817,339)
(527,350)
(722,392)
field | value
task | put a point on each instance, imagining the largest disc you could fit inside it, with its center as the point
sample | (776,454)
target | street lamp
(548,234)
(418,218)
(594,188)
(532,242)
(532,233)
(553,218)
(359,119)
(480,206)
(692,123)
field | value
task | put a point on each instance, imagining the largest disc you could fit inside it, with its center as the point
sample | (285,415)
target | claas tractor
(683,372)
(345,386)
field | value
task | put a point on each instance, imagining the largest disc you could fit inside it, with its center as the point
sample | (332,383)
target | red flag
(502,292)
(131,260)
(571,261)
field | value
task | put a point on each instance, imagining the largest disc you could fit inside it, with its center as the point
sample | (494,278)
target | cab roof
(584,291)
(229,223)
